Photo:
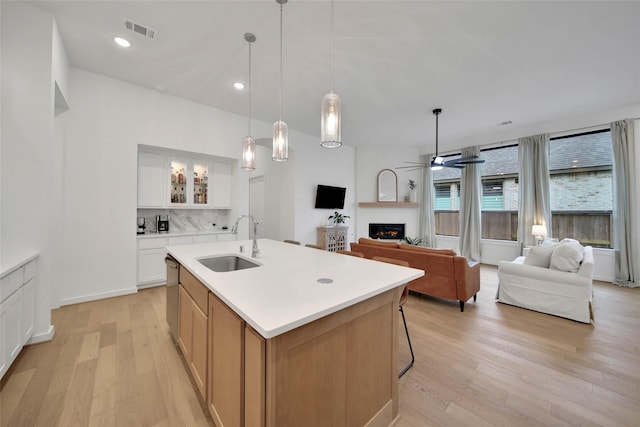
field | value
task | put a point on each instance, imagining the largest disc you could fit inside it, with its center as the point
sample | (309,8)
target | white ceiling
(482,62)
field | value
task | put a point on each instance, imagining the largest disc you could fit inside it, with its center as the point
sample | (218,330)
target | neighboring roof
(580,151)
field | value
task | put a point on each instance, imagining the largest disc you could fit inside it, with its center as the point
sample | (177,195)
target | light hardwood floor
(112,363)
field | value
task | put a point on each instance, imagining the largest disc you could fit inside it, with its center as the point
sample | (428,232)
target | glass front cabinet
(185,192)
(200,184)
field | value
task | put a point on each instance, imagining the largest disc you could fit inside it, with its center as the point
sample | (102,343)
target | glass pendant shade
(330,119)
(280,142)
(248,153)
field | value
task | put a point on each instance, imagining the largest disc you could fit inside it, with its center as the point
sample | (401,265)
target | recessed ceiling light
(238,85)
(122,42)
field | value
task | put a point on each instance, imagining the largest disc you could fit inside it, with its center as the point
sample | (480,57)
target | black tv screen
(330,197)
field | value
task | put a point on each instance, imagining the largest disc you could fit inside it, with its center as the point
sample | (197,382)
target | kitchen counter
(283,293)
(181,233)
(10,262)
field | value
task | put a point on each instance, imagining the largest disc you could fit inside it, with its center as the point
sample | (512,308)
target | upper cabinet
(175,181)
(201,183)
(222,186)
(151,180)
(179,185)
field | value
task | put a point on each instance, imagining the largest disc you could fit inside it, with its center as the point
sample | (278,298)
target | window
(447,196)
(492,198)
(499,195)
(582,187)
(447,189)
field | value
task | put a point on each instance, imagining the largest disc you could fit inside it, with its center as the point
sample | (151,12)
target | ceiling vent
(140,29)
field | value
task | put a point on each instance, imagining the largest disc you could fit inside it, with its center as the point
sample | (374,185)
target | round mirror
(387,186)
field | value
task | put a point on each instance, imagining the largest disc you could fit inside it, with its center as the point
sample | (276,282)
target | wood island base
(339,370)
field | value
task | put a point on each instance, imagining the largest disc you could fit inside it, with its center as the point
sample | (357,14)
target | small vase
(413,196)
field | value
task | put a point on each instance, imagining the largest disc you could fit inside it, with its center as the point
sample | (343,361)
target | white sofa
(560,293)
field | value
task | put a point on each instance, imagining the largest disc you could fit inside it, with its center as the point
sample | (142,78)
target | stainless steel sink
(224,263)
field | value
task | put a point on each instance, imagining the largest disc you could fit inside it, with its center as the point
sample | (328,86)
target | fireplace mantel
(387,205)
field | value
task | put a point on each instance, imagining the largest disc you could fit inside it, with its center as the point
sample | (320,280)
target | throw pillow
(540,256)
(567,256)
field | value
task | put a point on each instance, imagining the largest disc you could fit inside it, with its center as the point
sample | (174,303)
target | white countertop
(283,293)
(11,261)
(181,233)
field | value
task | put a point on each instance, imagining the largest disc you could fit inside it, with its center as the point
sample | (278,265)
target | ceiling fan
(437,163)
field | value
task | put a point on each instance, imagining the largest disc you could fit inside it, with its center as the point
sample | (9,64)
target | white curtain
(470,207)
(625,229)
(534,206)
(427,207)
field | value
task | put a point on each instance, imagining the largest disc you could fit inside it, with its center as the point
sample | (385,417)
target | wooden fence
(590,228)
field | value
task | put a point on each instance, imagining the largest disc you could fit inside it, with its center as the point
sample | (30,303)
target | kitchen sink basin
(224,263)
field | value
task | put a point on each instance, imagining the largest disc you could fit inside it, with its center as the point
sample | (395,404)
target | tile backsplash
(187,220)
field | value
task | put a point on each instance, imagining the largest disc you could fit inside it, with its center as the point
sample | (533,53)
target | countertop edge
(16,261)
(318,315)
(303,320)
(181,234)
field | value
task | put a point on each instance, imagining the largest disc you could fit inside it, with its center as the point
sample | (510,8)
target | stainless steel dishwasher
(173,279)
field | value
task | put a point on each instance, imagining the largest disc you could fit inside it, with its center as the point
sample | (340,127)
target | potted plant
(337,218)
(412,240)
(413,194)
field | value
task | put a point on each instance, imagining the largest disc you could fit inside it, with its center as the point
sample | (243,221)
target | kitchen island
(307,337)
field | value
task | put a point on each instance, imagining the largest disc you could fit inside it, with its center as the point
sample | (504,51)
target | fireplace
(386,231)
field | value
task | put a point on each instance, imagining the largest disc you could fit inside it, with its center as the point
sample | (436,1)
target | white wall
(27,145)
(369,162)
(317,165)
(107,120)
(291,186)
(278,212)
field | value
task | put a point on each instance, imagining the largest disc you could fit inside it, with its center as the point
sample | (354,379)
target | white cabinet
(188,183)
(222,186)
(178,195)
(151,254)
(151,180)
(17,292)
(200,192)
(28,305)
(11,315)
(177,179)
(151,268)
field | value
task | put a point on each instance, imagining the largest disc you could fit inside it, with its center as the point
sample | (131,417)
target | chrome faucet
(254,250)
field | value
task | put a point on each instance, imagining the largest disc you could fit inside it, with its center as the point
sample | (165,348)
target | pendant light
(331,110)
(437,164)
(248,143)
(280,130)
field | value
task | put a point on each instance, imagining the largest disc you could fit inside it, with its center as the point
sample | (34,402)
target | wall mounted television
(328,197)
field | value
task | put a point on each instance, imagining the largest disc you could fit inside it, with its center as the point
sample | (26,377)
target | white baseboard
(101,295)
(151,285)
(43,337)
